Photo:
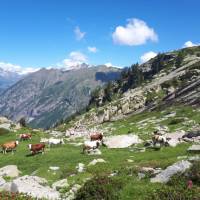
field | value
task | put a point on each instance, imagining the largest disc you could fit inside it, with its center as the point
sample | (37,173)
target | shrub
(100,188)
(14,196)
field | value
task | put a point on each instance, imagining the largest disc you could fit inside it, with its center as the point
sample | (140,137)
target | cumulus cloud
(189,44)
(8,67)
(74,60)
(136,32)
(92,49)
(78,34)
(147,56)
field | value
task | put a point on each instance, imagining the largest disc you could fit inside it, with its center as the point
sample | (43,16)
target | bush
(3,131)
(14,196)
(104,188)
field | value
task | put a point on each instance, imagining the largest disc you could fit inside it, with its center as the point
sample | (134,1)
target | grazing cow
(90,145)
(25,136)
(9,146)
(159,139)
(35,148)
(96,136)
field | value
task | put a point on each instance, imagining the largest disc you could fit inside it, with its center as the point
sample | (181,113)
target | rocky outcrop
(33,186)
(9,171)
(121,141)
(166,174)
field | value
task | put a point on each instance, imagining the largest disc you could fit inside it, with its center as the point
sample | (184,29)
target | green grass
(68,156)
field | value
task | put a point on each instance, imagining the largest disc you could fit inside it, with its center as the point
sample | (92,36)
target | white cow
(90,145)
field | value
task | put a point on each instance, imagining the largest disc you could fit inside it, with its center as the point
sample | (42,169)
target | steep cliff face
(47,96)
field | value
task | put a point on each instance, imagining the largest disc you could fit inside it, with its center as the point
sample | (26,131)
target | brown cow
(25,136)
(96,136)
(9,146)
(35,148)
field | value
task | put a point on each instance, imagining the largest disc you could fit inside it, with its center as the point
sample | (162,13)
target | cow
(90,145)
(25,136)
(96,136)
(159,139)
(9,146)
(36,148)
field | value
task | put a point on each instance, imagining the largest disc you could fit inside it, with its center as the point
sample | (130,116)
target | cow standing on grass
(36,148)
(90,145)
(25,136)
(9,146)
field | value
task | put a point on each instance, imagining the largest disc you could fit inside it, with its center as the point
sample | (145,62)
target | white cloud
(189,44)
(92,49)
(136,32)
(147,56)
(74,61)
(8,67)
(109,64)
(79,35)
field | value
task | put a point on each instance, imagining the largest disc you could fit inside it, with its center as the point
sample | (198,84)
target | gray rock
(10,171)
(121,141)
(141,175)
(194,148)
(166,174)
(80,167)
(33,186)
(95,161)
(2,181)
(60,184)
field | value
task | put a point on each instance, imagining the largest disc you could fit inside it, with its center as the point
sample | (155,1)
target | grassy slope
(68,156)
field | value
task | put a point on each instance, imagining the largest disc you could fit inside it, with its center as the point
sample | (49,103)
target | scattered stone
(10,171)
(33,186)
(54,168)
(121,141)
(175,138)
(141,175)
(194,158)
(165,175)
(80,167)
(60,184)
(130,160)
(72,192)
(194,148)
(95,152)
(95,161)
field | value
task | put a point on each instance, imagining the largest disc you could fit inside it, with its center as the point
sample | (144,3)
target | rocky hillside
(168,78)
(47,96)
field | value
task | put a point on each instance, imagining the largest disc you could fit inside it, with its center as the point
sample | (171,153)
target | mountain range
(50,95)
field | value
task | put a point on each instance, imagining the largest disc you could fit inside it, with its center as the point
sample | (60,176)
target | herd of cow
(95,140)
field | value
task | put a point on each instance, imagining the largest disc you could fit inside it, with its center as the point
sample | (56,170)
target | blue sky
(42,33)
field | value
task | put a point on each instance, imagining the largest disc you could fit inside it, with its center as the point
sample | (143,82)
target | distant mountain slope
(47,96)
(7,79)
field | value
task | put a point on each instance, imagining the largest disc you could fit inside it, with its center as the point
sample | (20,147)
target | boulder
(80,167)
(95,161)
(175,138)
(4,120)
(60,184)
(165,175)
(194,148)
(33,186)
(121,141)
(2,181)
(10,171)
